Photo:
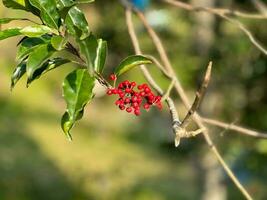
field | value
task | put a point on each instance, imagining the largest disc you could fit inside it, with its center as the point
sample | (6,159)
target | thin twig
(167,93)
(149,78)
(236,128)
(158,44)
(218,11)
(225,14)
(242,27)
(260,6)
(160,66)
(199,96)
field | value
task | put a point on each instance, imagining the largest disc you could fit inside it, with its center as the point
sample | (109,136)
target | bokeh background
(118,156)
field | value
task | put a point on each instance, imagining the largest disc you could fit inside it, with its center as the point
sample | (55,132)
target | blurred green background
(118,156)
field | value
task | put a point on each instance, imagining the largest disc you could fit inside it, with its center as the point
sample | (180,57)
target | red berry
(139,100)
(146,106)
(126,83)
(157,99)
(118,102)
(121,95)
(127,100)
(134,99)
(135,105)
(145,85)
(129,109)
(159,105)
(120,86)
(122,107)
(114,91)
(128,90)
(137,112)
(147,90)
(109,92)
(151,97)
(140,87)
(142,93)
(150,102)
(112,77)
(133,84)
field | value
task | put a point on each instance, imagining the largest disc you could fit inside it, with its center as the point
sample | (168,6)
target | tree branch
(233,127)
(225,14)
(216,11)
(149,78)
(159,46)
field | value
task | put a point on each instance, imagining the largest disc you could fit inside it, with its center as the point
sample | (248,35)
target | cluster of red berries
(132,100)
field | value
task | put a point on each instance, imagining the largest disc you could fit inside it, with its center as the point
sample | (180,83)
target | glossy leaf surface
(77,92)
(49,13)
(131,62)
(4,34)
(77,24)
(38,57)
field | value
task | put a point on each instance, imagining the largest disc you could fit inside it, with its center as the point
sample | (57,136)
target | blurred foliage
(117,156)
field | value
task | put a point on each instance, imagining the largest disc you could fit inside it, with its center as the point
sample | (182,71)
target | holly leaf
(19,71)
(88,48)
(101,54)
(77,92)
(7,20)
(76,23)
(84,1)
(38,57)
(28,45)
(58,42)
(36,30)
(46,67)
(21,5)
(49,13)
(131,62)
(61,4)
(11,32)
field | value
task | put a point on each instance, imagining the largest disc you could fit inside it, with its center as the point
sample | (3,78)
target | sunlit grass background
(115,155)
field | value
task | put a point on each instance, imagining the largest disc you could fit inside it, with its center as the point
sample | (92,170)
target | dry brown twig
(179,128)
(181,131)
(228,16)
(152,82)
(236,128)
(260,6)
(217,11)
(157,42)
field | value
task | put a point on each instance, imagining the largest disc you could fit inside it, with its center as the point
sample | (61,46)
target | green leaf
(77,24)
(58,42)
(19,71)
(88,48)
(77,91)
(61,4)
(15,4)
(7,20)
(9,33)
(49,13)
(101,54)
(28,45)
(21,5)
(36,30)
(46,67)
(85,1)
(95,53)
(38,57)
(131,62)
